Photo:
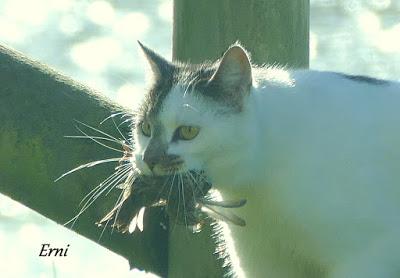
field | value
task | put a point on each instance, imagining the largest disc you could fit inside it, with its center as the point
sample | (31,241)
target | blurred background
(94,42)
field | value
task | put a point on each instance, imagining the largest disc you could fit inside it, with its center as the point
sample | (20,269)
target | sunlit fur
(316,155)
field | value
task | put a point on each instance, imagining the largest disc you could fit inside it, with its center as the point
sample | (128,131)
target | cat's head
(191,114)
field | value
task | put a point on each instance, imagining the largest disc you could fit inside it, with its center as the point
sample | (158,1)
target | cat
(316,154)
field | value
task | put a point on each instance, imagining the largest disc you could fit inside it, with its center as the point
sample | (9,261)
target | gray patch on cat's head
(225,81)
(365,79)
(163,76)
(228,80)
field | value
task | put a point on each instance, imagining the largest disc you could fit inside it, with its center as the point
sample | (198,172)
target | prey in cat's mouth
(185,194)
(188,199)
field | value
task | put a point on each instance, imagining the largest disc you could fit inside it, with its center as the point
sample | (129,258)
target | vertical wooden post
(274,31)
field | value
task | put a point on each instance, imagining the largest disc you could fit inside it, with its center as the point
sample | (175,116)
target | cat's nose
(150,161)
(151,165)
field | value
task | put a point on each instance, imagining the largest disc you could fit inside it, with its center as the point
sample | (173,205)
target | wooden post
(274,31)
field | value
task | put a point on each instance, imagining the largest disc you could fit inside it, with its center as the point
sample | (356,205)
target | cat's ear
(234,70)
(159,67)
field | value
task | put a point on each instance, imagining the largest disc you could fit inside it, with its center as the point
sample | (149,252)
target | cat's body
(316,155)
(325,194)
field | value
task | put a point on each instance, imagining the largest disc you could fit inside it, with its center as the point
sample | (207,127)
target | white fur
(317,156)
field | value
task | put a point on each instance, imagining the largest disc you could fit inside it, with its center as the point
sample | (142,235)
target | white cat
(316,155)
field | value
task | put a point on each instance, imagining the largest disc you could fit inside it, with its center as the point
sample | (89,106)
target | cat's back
(321,98)
(338,83)
(275,80)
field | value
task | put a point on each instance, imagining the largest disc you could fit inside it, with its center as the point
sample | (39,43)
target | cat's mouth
(173,167)
(164,167)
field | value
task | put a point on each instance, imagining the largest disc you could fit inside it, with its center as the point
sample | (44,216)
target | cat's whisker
(119,131)
(169,195)
(100,185)
(117,182)
(75,218)
(163,186)
(192,186)
(96,192)
(125,121)
(86,206)
(97,130)
(119,142)
(197,182)
(114,182)
(179,203)
(191,177)
(170,189)
(88,165)
(116,213)
(116,216)
(95,195)
(103,230)
(98,142)
(183,199)
(131,176)
(122,164)
(203,178)
(128,114)
(113,115)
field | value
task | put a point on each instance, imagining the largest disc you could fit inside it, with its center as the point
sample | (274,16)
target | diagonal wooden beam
(38,107)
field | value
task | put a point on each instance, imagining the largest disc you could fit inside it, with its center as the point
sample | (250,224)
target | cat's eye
(188,132)
(145,128)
